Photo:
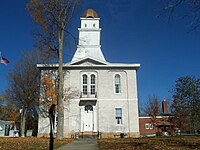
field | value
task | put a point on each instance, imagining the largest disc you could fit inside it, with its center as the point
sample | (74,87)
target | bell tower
(89,38)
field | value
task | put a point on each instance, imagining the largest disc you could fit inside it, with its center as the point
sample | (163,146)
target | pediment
(88,62)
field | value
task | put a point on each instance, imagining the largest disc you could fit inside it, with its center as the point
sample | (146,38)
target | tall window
(118,115)
(84,84)
(92,84)
(117,83)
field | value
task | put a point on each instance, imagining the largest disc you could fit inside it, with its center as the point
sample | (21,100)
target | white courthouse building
(105,98)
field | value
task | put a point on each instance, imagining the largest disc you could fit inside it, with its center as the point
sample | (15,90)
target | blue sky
(131,33)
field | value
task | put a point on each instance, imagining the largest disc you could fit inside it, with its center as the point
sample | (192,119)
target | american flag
(4,60)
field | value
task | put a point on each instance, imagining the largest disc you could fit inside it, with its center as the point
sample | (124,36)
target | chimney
(164,107)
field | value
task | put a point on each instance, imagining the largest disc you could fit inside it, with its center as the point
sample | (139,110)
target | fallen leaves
(158,143)
(29,143)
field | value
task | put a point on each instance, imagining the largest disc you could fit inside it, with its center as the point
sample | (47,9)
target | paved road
(81,144)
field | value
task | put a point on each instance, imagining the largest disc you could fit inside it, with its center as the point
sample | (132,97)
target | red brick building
(160,125)
(146,126)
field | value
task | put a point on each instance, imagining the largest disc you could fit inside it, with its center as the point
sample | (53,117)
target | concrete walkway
(81,144)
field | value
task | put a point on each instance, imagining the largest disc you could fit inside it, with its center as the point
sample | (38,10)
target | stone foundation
(101,135)
(134,134)
(46,135)
(117,135)
(68,135)
(40,135)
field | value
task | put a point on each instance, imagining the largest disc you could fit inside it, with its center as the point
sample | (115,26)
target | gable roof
(88,60)
(91,63)
(93,52)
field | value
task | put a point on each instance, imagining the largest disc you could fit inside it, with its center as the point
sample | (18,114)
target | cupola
(90,13)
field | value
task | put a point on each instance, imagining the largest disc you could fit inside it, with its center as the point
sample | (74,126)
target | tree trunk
(23,122)
(60,106)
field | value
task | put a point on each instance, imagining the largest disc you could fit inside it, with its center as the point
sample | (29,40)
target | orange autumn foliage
(37,9)
(13,115)
(29,143)
(8,113)
(49,91)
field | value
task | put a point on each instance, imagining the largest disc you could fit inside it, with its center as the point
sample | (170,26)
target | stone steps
(88,134)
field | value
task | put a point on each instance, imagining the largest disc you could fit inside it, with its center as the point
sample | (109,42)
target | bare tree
(23,86)
(1,99)
(187,9)
(186,103)
(153,108)
(54,17)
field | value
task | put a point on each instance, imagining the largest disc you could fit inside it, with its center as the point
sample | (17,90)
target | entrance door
(88,118)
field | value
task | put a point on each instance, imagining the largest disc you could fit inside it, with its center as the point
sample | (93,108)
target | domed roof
(90,13)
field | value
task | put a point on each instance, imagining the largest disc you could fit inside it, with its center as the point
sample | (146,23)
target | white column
(95,118)
(82,118)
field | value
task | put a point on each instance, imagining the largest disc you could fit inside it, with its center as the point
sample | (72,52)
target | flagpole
(0,65)
(0,61)
(0,57)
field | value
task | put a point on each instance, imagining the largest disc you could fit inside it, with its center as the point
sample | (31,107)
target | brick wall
(146,127)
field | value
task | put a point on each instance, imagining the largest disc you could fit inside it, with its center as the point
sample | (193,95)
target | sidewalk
(81,144)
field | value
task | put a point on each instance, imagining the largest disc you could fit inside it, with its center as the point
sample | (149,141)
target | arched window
(84,84)
(92,84)
(117,83)
(88,108)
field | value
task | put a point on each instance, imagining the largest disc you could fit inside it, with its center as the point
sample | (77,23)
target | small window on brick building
(148,126)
